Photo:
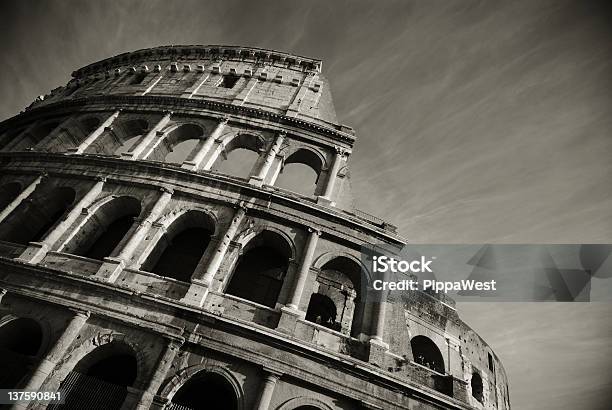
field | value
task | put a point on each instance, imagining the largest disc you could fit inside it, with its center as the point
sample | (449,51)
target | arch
(167,220)
(122,136)
(304,403)
(261,268)
(36,215)
(21,342)
(328,256)
(248,234)
(8,137)
(346,266)
(476,385)
(207,390)
(104,231)
(301,171)
(8,193)
(89,124)
(102,377)
(426,353)
(36,134)
(175,383)
(322,311)
(129,133)
(72,133)
(339,279)
(238,154)
(178,144)
(180,249)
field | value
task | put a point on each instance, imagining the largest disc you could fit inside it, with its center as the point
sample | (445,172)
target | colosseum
(162,247)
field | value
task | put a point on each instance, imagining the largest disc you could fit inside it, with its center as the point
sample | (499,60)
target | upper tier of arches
(261,157)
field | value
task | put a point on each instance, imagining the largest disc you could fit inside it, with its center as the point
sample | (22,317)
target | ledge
(337,131)
(201,51)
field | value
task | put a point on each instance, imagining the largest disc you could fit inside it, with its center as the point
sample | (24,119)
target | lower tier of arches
(160,359)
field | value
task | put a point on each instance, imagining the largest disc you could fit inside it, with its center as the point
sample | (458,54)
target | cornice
(221,52)
(176,103)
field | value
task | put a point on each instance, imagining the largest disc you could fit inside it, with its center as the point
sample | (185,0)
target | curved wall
(125,232)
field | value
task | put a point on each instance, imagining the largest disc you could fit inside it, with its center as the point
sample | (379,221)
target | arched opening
(128,144)
(239,156)
(178,144)
(106,229)
(181,151)
(8,137)
(129,135)
(426,353)
(300,172)
(228,81)
(205,391)
(72,134)
(35,216)
(322,311)
(179,251)
(8,193)
(100,379)
(36,135)
(138,78)
(20,342)
(121,137)
(261,269)
(339,280)
(476,384)
(89,125)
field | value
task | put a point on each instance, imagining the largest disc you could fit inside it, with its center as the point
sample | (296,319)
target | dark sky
(477,122)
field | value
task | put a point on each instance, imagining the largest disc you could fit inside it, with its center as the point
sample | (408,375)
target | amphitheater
(177,232)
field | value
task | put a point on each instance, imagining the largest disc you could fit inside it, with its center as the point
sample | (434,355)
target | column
(95,134)
(378,348)
(277,166)
(47,365)
(196,162)
(379,321)
(326,198)
(112,266)
(267,391)
(36,251)
(143,228)
(223,245)
(291,313)
(22,195)
(3,292)
(302,276)
(146,141)
(270,155)
(159,373)
(199,287)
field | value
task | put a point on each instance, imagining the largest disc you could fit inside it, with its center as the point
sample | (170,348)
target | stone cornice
(178,103)
(187,52)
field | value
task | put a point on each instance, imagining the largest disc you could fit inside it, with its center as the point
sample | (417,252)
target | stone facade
(129,261)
